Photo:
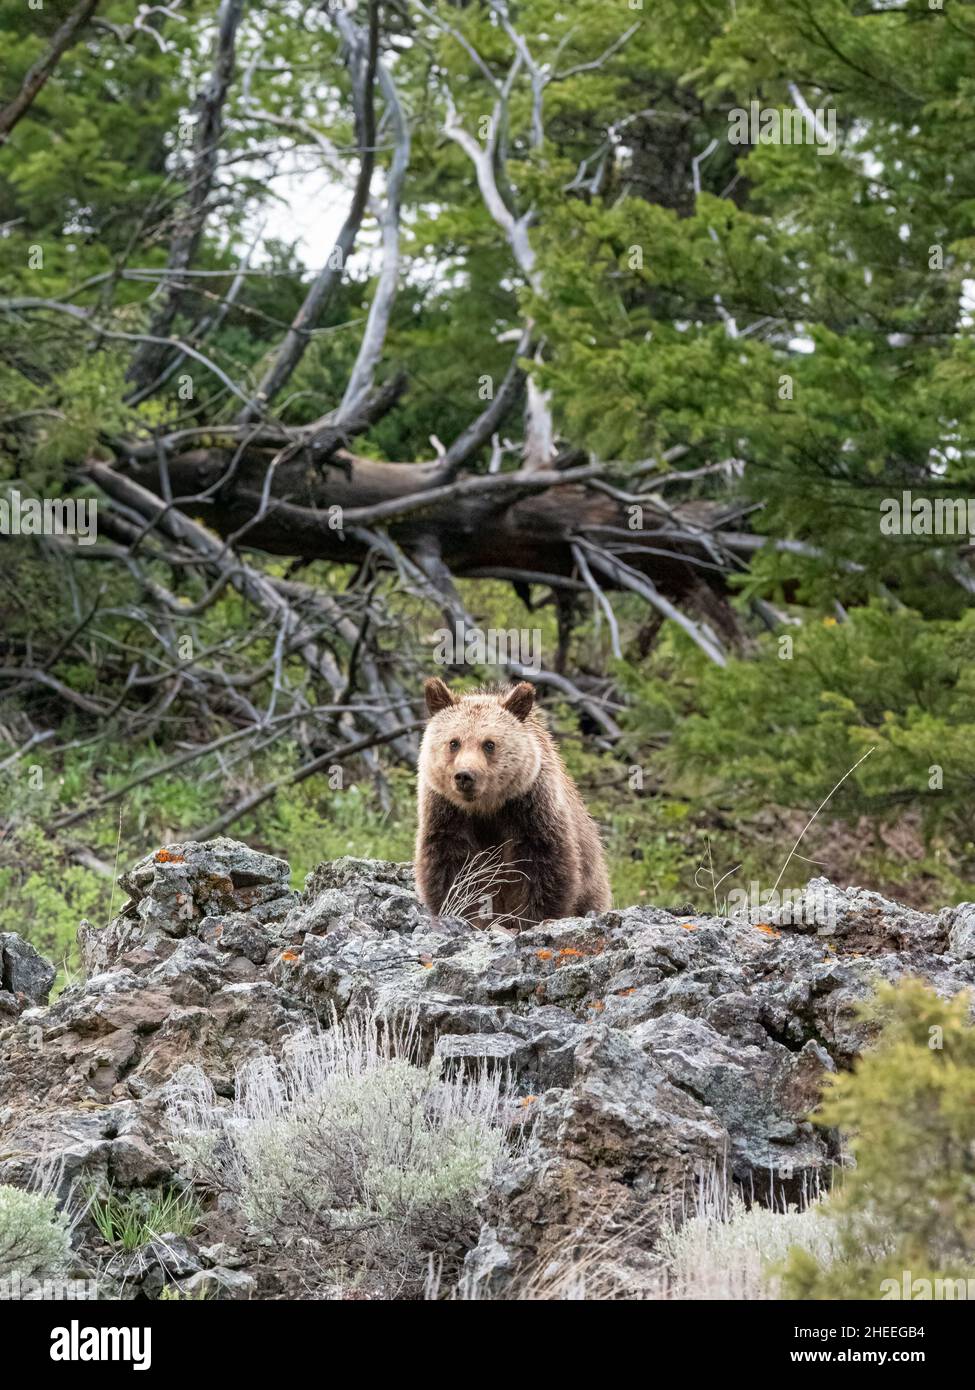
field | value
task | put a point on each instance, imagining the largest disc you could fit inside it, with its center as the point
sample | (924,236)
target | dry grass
(716,1247)
(722,1248)
(476,886)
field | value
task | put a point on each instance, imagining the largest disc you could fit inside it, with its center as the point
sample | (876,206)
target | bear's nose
(464,780)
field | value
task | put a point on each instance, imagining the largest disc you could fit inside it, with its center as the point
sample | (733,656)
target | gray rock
(862,919)
(961,933)
(487,1267)
(24,973)
(166,1259)
(219,1282)
(221,1254)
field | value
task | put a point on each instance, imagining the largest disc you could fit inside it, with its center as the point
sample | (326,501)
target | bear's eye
(454,744)
(489,745)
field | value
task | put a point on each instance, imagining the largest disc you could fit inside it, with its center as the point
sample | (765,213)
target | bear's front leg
(547,889)
(442,852)
(440,862)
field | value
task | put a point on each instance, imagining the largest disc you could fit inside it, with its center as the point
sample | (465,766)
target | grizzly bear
(503,836)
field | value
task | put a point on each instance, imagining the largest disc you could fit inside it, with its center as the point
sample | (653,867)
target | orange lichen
(597,1007)
(544,955)
(289,956)
(766,929)
(631,990)
(688,926)
(526,1101)
(571,951)
(164,856)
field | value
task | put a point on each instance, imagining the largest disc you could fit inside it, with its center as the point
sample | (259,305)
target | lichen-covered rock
(960,921)
(646,1048)
(166,1259)
(25,976)
(218,1282)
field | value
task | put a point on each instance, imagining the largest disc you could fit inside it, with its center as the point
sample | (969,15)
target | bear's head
(481,750)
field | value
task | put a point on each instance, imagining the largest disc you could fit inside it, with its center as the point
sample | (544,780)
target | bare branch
(42,69)
(32,742)
(594,64)
(334,755)
(181,759)
(569,691)
(362,59)
(479,431)
(207,325)
(629,578)
(601,599)
(360,382)
(536,75)
(254,586)
(86,318)
(150,358)
(455,34)
(539,439)
(515,483)
(32,676)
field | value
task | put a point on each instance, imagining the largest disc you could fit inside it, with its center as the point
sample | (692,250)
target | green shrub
(35,1238)
(908,1108)
(784,726)
(43,896)
(350,1144)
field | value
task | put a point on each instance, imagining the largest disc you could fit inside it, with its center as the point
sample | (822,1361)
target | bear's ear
(437,695)
(520,700)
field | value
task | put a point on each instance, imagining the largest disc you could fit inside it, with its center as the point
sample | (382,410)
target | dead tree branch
(361,61)
(148,361)
(37,75)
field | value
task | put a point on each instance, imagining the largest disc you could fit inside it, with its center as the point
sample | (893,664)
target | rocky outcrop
(646,1048)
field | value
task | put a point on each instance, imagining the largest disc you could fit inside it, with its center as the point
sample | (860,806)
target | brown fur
(520,805)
